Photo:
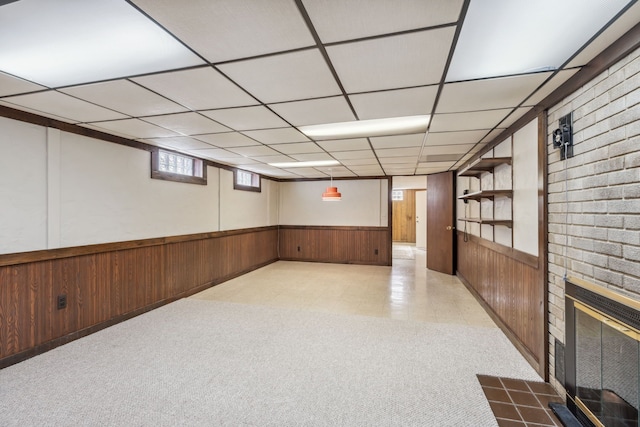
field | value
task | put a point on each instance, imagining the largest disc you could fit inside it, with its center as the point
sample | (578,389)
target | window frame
(236,186)
(199,169)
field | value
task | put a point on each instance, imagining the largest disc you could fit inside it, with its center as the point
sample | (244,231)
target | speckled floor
(406,291)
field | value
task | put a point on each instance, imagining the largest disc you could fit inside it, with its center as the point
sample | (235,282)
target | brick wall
(602,241)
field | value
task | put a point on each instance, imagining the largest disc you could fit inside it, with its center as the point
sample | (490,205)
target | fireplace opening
(603,355)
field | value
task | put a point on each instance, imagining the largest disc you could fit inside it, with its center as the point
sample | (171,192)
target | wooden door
(441,222)
(421,219)
(404,218)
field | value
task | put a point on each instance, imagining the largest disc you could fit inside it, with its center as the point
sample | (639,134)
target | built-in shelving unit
(486,194)
(489,221)
(484,165)
(475,170)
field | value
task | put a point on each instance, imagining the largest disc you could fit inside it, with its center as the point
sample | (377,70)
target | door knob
(449,228)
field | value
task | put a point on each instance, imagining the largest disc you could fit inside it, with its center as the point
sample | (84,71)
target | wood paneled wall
(404,218)
(508,283)
(105,284)
(348,245)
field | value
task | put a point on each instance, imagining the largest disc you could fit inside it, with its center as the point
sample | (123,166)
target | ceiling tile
(611,34)
(371,161)
(400,61)
(511,119)
(448,138)
(315,111)
(276,136)
(187,123)
(503,37)
(488,94)
(64,106)
(473,120)
(181,143)
(394,103)
(367,170)
(132,128)
(394,161)
(308,173)
(360,154)
(345,20)
(492,135)
(345,144)
(426,170)
(61,43)
(246,118)
(230,139)
(37,112)
(397,152)
(297,148)
(286,77)
(399,170)
(238,161)
(550,86)
(257,150)
(339,172)
(231,29)
(311,157)
(281,158)
(198,89)
(397,141)
(435,165)
(436,150)
(10,85)
(215,153)
(125,97)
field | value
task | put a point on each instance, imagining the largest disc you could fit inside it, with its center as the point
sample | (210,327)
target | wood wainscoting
(108,283)
(510,285)
(346,245)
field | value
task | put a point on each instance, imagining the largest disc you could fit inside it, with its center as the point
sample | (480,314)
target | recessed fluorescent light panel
(504,37)
(66,42)
(365,128)
(316,163)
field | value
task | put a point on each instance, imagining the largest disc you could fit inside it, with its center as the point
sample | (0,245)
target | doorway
(409,216)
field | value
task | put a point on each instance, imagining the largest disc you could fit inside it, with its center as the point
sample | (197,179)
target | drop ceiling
(232,81)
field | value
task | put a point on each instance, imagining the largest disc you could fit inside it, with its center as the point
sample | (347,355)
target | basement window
(247,181)
(397,195)
(171,166)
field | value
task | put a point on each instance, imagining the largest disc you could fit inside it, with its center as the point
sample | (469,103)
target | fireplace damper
(602,355)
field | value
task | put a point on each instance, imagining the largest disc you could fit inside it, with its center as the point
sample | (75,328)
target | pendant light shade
(332,194)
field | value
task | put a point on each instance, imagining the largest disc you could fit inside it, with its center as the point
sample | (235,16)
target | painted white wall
(23,187)
(364,203)
(410,182)
(107,195)
(247,209)
(525,188)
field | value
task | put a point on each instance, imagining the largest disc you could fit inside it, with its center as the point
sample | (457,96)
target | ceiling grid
(238,81)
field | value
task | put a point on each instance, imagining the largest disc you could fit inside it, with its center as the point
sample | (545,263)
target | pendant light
(331,195)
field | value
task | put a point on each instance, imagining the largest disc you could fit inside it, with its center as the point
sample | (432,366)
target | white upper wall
(525,188)
(247,209)
(107,195)
(23,186)
(61,189)
(364,203)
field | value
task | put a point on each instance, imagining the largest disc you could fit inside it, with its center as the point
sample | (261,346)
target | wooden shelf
(484,165)
(505,222)
(486,194)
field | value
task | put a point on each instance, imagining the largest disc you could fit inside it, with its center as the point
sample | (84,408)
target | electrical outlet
(298,248)
(375,251)
(62,301)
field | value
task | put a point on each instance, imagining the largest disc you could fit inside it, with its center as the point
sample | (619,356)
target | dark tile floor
(519,403)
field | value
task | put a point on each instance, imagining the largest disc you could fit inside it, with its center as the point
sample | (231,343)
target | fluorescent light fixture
(365,128)
(67,42)
(315,163)
(505,37)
